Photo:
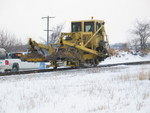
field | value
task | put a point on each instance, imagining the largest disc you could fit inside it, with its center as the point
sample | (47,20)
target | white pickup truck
(11,62)
(4,64)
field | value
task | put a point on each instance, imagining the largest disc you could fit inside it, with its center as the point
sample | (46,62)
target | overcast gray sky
(23,17)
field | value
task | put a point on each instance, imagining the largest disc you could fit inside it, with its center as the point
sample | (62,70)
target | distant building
(118,46)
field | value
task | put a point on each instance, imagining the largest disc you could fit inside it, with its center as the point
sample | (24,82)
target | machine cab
(86,26)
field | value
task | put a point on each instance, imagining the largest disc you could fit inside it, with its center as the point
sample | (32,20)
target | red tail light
(6,62)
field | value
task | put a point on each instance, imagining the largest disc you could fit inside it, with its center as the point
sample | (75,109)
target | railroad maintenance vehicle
(86,45)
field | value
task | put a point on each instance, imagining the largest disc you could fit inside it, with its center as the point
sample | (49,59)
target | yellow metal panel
(88,56)
(81,47)
(35,59)
(94,35)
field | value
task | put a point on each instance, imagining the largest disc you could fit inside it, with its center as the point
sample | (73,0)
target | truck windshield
(89,26)
(76,27)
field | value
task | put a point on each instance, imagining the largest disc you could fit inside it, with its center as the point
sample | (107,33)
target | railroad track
(63,69)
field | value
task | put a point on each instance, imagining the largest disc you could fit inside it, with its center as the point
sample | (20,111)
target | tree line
(140,36)
(10,43)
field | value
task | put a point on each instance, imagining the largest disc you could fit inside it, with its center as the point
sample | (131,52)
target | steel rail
(63,69)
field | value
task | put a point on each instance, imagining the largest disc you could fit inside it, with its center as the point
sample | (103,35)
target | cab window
(89,26)
(76,27)
(98,25)
(15,55)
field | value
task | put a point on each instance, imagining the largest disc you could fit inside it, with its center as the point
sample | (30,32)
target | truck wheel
(15,68)
(55,67)
(7,71)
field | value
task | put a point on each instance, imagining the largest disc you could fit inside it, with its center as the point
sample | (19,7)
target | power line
(48,17)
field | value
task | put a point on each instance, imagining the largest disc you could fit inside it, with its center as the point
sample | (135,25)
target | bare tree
(135,44)
(9,41)
(43,40)
(54,37)
(56,34)
(142,33)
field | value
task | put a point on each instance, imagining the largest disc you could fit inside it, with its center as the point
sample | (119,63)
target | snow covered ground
(95,90)
(125,57)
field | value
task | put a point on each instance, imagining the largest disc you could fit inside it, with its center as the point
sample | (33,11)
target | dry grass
(99,108)
(146,95)
(137,76)
(113,52)
(139,106)
(144,76)
(146,51)
(125,77)
(140,76)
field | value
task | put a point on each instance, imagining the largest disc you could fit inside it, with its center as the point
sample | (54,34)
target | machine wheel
(91,63)
(15,68)
(77,64)
(7,71)
(55,67)
(94,62)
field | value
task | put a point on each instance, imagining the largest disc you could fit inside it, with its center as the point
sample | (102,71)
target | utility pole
(48,17)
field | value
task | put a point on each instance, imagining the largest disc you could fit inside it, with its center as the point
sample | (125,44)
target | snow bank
(125,57)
